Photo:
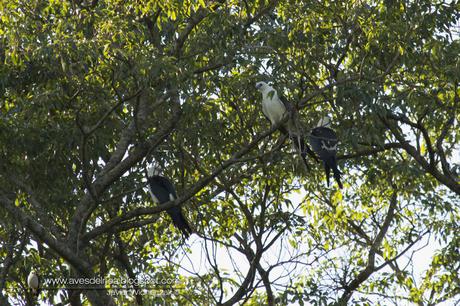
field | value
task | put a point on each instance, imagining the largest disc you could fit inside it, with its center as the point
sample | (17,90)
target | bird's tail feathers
(332,162)
(337,177)
(181,223)
(327,169)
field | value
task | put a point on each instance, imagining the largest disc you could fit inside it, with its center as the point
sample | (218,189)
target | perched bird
(324,141)
(33,282)
(162,190)
(274,108)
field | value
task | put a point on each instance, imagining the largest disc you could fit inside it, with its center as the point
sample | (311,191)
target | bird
(324,142)
(33,282)
(275,108)
(162,190)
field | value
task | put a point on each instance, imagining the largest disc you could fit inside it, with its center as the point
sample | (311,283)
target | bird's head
(153,170)
(324,122)
(262,86)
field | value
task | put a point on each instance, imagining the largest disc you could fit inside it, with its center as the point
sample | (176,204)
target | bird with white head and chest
(272,106)
(33,282)
(162,190)
(275,107)
(323,140)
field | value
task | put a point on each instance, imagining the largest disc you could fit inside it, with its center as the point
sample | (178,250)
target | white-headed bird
(274,108)
(33,282)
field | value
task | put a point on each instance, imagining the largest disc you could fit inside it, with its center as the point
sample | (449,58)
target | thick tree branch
(198,186)
(417,125)
(37,205)
(245,286)
(441,153)
(193,22)
(123,258)
(97,297)
(264,274)
(370,268)
(430,168)
(116,167)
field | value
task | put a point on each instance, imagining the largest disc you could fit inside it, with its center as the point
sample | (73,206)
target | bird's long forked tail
(181,223)
(331,164)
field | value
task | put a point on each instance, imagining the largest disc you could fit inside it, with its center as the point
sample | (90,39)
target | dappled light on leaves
(93,92)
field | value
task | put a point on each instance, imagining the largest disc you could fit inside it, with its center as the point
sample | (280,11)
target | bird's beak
(258,85)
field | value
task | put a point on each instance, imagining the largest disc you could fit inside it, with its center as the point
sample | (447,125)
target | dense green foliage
(91,92)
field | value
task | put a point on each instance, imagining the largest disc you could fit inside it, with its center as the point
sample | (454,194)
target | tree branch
(446,180)
(193,22)
(97,297)
(372,151)
(370,268)
(197,187)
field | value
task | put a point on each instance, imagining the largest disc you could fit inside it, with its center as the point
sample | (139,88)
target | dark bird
(162,190)
(274,108)
(324,142)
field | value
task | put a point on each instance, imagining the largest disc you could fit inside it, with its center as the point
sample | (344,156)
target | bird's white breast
(32,281)
(272,107)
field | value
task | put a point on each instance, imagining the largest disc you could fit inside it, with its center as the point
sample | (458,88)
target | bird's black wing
(162,188)
(323,141)
(166,183)
(179,221)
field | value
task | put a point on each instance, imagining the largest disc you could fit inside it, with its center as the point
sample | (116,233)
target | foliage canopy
(93,91)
